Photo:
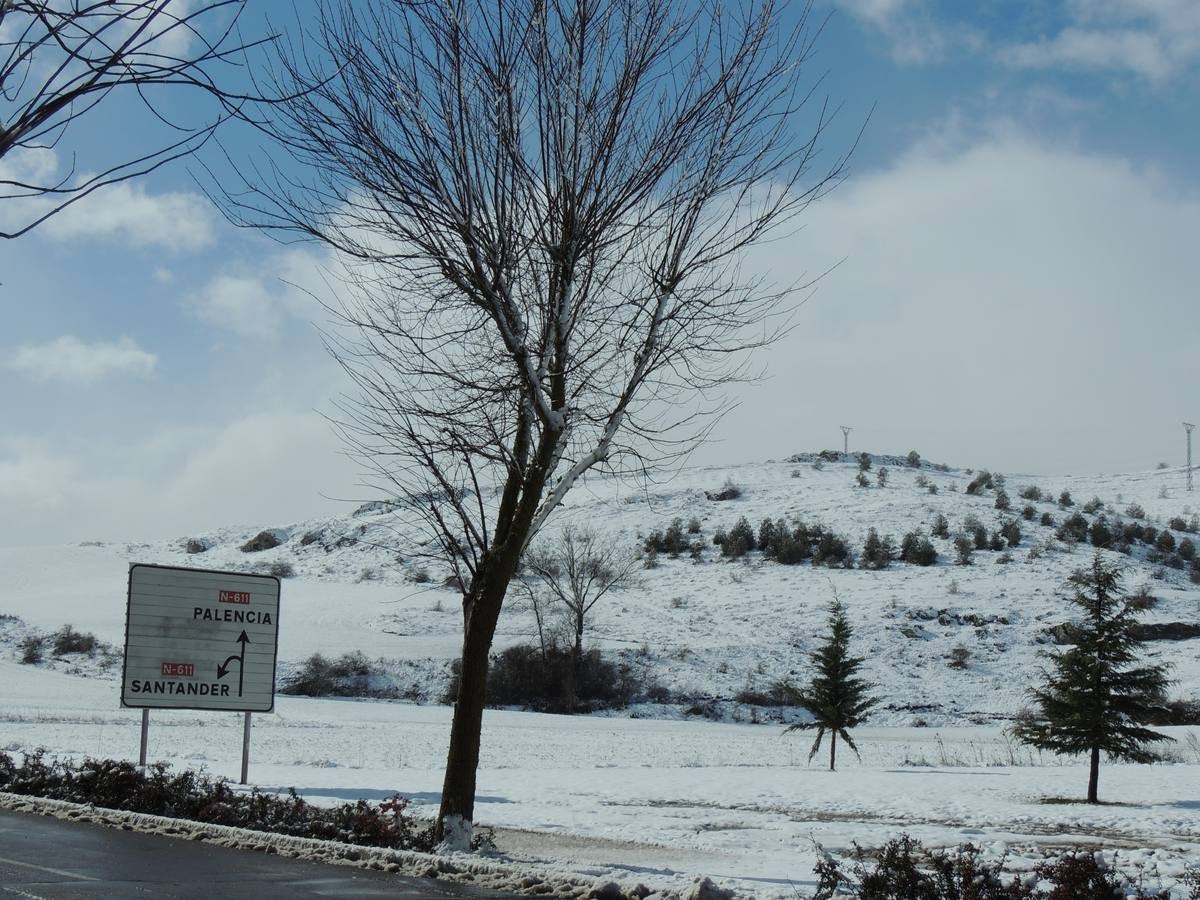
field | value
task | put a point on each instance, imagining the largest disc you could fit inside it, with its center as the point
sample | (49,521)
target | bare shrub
(68,640)
(264,540)
(32,649)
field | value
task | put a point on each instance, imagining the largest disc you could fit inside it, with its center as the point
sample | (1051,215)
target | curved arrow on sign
(239,658)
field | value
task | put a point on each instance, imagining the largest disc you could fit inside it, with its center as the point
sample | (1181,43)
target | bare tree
(577,570)
(59,59)
(543,208)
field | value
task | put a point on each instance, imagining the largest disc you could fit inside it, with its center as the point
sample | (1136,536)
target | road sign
(198,639)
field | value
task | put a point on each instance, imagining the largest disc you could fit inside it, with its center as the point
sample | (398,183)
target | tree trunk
(577,652)
(832,750)
(1094,776)
(576,662)
(458,790)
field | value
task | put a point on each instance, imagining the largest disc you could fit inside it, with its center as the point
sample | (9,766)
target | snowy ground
(661,800)
(653,801)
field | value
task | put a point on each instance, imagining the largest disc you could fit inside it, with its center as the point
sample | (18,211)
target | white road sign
(196,639)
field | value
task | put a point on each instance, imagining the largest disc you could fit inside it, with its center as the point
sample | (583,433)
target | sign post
(245,748)
(187,631)
(145,738)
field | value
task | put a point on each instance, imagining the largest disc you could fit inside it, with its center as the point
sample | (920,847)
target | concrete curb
(457,868)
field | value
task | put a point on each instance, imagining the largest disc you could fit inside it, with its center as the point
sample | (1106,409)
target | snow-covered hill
(706,630)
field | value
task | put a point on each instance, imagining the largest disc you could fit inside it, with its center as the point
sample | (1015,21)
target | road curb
(456,868)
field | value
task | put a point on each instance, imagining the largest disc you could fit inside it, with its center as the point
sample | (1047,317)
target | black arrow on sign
(240,658)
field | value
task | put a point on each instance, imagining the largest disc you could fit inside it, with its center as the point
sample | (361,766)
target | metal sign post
(187,630)
(145,738)
(246,748)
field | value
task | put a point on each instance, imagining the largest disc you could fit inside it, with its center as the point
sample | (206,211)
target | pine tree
(837,698)
(1093,700)
(877,552)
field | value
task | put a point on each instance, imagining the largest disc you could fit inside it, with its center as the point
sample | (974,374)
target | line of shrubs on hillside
(349,675)
(66,642)
(551,679)
(801,542)
(1092,522)
(546,679)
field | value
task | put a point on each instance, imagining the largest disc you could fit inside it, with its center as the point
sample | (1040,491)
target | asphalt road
(43,857)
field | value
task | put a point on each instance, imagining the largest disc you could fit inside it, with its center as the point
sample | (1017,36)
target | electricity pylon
(1188,426)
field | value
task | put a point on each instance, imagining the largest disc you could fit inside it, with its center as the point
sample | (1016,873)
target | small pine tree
(941,526)
(789,547)
(980,535)
(1012,533)
(963,545)
(864,461)
(881,476)
(766,533)
(739,541)
(1100,534)
(917,549)
(877,552)
(1093,700)
(1002,502)
(837,698)
(832,552)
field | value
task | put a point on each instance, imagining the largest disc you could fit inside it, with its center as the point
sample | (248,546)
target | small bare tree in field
(543,208)
(59,59)
(576,571)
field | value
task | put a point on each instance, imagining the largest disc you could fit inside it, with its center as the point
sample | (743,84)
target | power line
(846,429)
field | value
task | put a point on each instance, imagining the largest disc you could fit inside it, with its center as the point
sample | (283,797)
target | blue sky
(1017,285)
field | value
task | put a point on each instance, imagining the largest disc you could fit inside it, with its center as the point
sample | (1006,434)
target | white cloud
(260,466)
(34,165)
(256,303)
(1003,301)
(70,359)
(916,36)
(878,12)
(33,479)
(170,34)
(1157,39)
(256,469)
(244,305)
(126,211)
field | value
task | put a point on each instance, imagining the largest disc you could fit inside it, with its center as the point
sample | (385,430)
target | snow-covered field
(662,797)
(654,801)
